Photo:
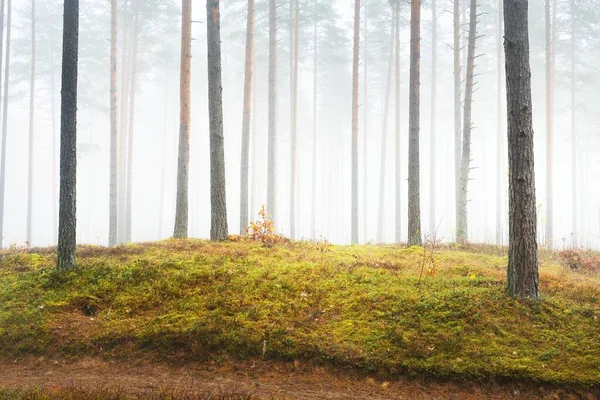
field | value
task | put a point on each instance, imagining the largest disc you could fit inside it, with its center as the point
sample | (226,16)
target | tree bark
(398,172)
(522,275)
(112,229)
(272,145)
(457,105)
(5,121)
(294,122)
(183,162)
(384,134)
(414,198)
(68,135)
(355,73)
(31,129)
(122,138)
(549,128)
(218,203)
(432,118)
(245,162)
(462,221)
(314,138)
(133,81)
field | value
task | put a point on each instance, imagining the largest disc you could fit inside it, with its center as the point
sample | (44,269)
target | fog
(156,122)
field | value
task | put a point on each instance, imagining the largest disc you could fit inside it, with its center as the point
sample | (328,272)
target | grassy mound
(380,309)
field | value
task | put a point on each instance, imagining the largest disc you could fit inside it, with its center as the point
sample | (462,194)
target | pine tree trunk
(366,125)
(462,226)
(134,57)
(183,160)
(384,134)
(355,66)
(574,205)
(68,138)
(432,118)
(31,129)
(294,131)
(112,230)
(549,129)
(5,121)
(414,198)
(218,203)
(245,167)
(398,172)
(272,145)
(255,144)
(522,256)
(499,127)
(122,138)
(314,138)
(457,105)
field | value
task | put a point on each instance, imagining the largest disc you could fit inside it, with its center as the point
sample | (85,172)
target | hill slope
(379,309)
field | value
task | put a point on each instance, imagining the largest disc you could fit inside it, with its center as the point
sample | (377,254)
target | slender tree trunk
(272,145)
(68,138)
(366,124)
(218,203)
(294,132)
(112,230)
(5,122)
(522,272)
(249,63)
(255,144)
(134,57)
(31,129)
(549,129)
(164,152)
(414,198)
(384,134)
(433,116)
(499,127)
(355,60)
(398,180)
(122,138)
(574,205)
(462,226)
(314,138)
(457,104)
(183,162)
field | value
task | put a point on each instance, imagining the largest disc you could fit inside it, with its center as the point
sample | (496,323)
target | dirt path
(260,379)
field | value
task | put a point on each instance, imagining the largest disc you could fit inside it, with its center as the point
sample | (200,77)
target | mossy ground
(363,307)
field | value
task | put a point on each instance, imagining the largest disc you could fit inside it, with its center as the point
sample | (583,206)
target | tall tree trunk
(5,121)
(355,59)
(457,105)
(366,125)
(134,57)
(68,138)
(314,138)
(432,118)
(183,161)
(549,129)
(294,131)
(499,127)
(522,272)
(245,167)
(122,137)
(218,203)
(31,128)
(384,134)
(398,172)
(112,229)
(272,145)
(574,205)
(461,223)
(414,198)
(255,144)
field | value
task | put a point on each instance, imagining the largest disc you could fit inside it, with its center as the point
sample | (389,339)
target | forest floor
(299,320)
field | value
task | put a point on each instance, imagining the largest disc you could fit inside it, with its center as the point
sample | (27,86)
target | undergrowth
(365,307)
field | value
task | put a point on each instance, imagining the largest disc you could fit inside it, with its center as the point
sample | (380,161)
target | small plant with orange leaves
(263,230)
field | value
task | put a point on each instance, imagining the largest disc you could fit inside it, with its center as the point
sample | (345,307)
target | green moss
(359,306)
